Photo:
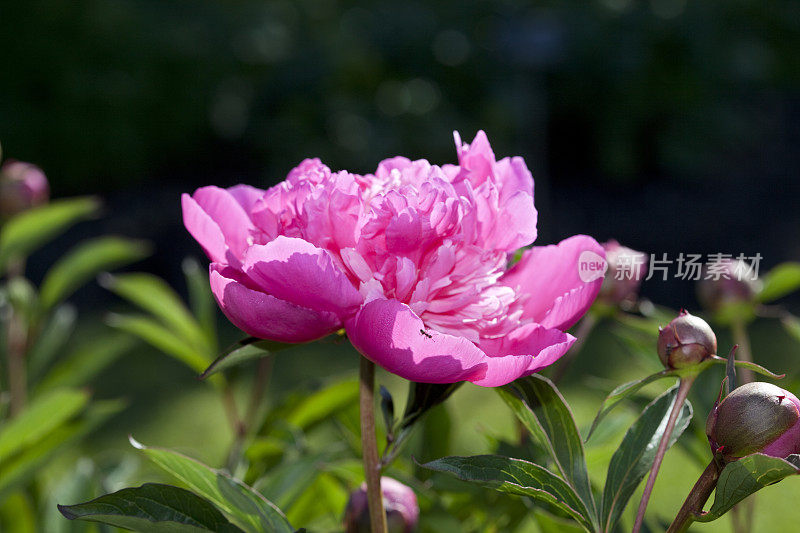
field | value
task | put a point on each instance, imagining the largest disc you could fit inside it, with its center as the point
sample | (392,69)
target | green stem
(16,347)
(744,353)
(697,498)
(369,447)
(683,390)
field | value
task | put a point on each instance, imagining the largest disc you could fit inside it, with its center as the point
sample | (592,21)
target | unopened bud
(756,417)
(22,186)
(727,282)
(686,341)
(626,270)
(399,501)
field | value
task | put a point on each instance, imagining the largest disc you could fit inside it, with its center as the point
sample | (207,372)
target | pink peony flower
(412,261)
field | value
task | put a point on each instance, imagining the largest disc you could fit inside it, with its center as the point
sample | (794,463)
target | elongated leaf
(246,507)
(152,294)
(162,338)
(51,340)
(200,298)
(85,261)
(246,350)
(31,229)
(153,508)
(744,477)
(41,417)
(540,407)
(86,361)
(622,392)
(758,369)
(321,404)
(23,465)
(636,454)
(783,279)
(516,476)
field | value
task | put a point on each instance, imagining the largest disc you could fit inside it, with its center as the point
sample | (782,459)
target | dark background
(669,125)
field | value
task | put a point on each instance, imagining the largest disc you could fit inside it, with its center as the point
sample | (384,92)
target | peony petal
(546,345)
(264,316)
(246,195)
(297,271)
(388,333)
(229,215)
(556,297)
(203,228)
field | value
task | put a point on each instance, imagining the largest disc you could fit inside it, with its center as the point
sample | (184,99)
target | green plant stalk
(697,498)
(16,347)
(369,447)
(683,391)
(743,513)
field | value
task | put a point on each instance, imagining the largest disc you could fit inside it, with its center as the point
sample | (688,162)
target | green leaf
(622,392)
(152,294)
(321,404)
(516,476)
(41,417)
(742,478)
(31,229)
(23,465)
(246,350)
(51,340)
(780,281)
(540,407)
(246,507)
(200,298)
(636,454)
(86,361)
(758,369)
(162,338)
(85,261)
(153,508)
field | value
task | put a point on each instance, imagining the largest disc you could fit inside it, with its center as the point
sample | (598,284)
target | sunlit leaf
(243,351)
(516,476)
(243,505)
(29,230)
(23,465)
(152,508)
(152,294)
(624,391)
(741,478)
(86,361)
(783,279)
(51,340)
(636,454)
(85,261)
(540,407)
(162,338)
(38,419)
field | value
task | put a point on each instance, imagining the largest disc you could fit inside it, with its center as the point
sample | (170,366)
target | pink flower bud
(22,186)
(400,502)
(756,417)
(731,282)
(626,270)
(686,341)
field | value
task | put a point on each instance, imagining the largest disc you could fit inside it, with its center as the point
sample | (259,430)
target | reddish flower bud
(686,341)
(400,502)
(22,186)
(756,417)
(626,270)
(731,281)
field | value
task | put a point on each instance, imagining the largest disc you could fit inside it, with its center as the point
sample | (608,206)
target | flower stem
(16,347)
(683,390)
(696,499)
(369,447)
(744,353)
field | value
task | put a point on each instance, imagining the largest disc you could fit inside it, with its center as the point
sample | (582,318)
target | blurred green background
(667,124)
